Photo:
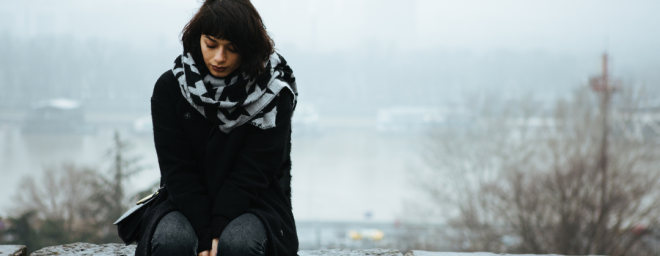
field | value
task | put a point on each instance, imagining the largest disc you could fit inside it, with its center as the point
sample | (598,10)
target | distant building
(143,125)
(399,120)
(641,123)
(305,120)
(57,116)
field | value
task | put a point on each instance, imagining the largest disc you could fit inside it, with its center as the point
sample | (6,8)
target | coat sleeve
(256,165)
(177,162)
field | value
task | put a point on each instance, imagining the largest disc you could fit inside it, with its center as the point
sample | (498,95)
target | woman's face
(219,55)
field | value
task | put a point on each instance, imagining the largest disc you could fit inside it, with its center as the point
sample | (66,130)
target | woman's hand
(213,251)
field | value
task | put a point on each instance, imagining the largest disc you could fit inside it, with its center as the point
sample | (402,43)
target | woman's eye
(231,49)
(210,46)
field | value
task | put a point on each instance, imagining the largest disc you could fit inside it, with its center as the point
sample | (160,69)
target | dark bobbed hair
(236,21)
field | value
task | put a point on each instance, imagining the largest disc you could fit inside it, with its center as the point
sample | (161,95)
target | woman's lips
(218,69)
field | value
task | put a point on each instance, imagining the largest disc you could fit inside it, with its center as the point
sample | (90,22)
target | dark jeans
(174,235)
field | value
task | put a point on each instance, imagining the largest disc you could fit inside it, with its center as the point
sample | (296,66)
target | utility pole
(604,87)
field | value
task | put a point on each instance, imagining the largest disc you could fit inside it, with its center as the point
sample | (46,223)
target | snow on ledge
(425,253)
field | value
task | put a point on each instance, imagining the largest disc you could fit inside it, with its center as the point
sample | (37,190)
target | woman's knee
(174,236)
(244,235)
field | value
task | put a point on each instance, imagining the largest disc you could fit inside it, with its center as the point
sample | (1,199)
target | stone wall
(79,249)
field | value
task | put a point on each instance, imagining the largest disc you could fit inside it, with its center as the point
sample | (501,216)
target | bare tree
(109,201)
(519,181)
(60,196)
(72,203)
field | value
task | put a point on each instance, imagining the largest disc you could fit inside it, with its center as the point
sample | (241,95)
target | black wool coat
(213,177)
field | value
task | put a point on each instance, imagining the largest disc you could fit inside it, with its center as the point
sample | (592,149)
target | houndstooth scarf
(236,99)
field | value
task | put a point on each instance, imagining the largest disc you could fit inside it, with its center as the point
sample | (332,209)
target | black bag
(129,224)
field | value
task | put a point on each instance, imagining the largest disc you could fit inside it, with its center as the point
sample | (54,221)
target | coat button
(282,232)
(187,115)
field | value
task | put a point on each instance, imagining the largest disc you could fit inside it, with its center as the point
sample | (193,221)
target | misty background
(354,60)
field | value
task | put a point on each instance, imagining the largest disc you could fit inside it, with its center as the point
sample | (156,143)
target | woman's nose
(220,55)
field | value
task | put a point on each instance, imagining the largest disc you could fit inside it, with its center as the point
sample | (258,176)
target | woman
(222,131)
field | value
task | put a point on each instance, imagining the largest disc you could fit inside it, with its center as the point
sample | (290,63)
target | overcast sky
(475,25)
(579,30)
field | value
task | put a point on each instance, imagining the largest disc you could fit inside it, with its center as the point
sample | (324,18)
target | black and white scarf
(236,99)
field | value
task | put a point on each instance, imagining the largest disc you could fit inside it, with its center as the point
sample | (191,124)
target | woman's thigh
(244,235)
(174,236)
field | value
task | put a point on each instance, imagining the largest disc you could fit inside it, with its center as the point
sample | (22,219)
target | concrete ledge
(425,253)
(76,249)
(13,250)
(87,249)
(347,252)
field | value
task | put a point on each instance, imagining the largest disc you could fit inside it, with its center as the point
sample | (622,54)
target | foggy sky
(627,29)
(476,25)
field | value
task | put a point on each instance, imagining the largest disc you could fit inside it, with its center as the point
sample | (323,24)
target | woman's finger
(214,247)
(204,253)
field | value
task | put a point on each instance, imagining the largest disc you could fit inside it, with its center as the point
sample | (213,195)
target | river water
(346,172)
